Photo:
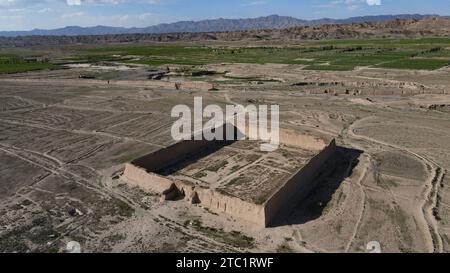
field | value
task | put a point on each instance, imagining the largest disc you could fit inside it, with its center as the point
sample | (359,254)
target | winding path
(429,191)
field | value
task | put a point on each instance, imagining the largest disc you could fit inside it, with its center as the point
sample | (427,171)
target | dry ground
(63,143)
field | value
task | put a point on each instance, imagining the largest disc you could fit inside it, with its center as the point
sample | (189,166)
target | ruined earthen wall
(233,206)
(160,84)
(288,137)
(148,83)
(215,201)
(196,86)
(193,86)
(302,182)
(262,215)
(139,173)
(139,177)
(377,91)
(307,142)
(170,155)
(174,153)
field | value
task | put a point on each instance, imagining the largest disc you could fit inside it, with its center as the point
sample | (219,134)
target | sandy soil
(64,141)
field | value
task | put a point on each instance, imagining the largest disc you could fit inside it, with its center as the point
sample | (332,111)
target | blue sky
(30,14)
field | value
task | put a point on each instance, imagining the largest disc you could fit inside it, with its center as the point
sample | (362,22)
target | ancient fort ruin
(234,177)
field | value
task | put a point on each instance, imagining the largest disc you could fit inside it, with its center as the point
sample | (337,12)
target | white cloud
(373,2)
(124,20)
(255,3)
(351,4)
(45,10)
(72,15)
(108,2)
(73,2)
(6,2)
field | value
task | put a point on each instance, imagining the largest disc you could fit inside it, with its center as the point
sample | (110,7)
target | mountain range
(213,25)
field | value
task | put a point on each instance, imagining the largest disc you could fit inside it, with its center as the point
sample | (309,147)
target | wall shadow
(189,159)
(170,160)
(330,177)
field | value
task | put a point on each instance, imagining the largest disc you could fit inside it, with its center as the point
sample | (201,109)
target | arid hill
(430,27)
(212,25)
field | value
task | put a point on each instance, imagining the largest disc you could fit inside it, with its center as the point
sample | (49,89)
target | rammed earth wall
(142,173)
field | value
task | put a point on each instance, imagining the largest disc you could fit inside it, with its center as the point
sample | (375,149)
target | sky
(49,14)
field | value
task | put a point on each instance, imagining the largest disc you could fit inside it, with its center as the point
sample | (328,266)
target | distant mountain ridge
(395,29)
(213,25)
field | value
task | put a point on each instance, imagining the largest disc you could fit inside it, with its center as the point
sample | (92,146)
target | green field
(160,55)
(336,55)
(340,55)
(13,64)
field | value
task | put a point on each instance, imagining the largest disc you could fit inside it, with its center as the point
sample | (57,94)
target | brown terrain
(65,143)
(431,27)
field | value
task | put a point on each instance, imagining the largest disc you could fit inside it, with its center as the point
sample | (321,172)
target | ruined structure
(234,177)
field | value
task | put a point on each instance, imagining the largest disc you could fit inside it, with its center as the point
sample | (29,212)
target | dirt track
(64,143)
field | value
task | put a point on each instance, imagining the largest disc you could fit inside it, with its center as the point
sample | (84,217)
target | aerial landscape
(87,153)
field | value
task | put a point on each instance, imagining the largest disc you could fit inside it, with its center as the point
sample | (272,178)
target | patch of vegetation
(114,238)
(30,237)
(42,235)
(235,168)
(162,55)
(329,67)
(14,64)
(23,67)
(26,203)
(12,245)
(285,248)
(253,157)
(423,64)
(170,248)
(238,181)
(334,55)
(122,208)
(233,238)
(337,55)
(323,55)
(200,175)
(218,166)
(237,239)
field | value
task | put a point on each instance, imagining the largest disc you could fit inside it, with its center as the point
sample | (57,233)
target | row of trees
(21,60)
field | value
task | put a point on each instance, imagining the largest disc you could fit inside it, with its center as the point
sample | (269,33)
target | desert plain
(71,119)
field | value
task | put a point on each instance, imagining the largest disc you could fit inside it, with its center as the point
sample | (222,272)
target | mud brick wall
(143,173)
(302,182)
